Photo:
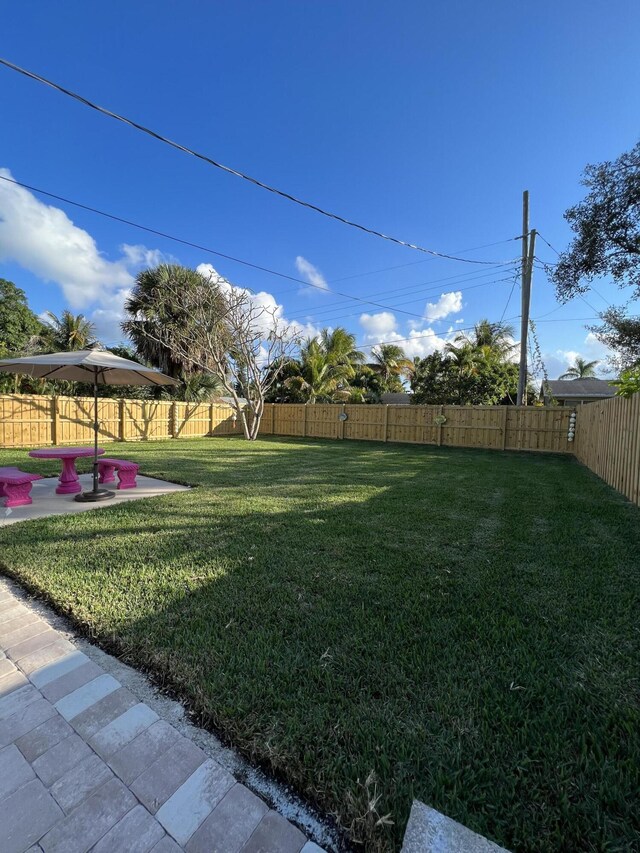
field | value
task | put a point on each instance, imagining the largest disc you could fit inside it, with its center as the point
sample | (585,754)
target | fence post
(174,420)
(304,422)
(273,416)
(504,427)
(122,419)
(55,421)
(210,418)
(386,420)
(341,422)
(440,427)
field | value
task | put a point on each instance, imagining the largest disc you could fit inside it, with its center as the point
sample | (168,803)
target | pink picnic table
(69,483)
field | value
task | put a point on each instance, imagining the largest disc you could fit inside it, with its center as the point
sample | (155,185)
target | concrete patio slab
(47,503)
(429,831)
(87,765)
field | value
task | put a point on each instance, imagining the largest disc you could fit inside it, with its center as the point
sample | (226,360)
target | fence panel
(224,421)
(192,420)
(74,420)
(607,432)
(25,421)
(288,419)
(364,423)
(31,421)
(608,442)
(321,421)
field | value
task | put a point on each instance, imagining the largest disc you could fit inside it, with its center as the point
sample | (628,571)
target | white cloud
(557,361)
(273,310)
(378,324)
(419,342)
(423,342)
(141,256)
(312,274)
(448,303)
(45,241)
(42,239)
(108,316)
(595,349)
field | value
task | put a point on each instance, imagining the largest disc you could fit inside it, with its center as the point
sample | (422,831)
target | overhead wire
(230,170)
(465,329)
(165,235)
(424,288)
(424,261)
(313,317)
(548,264)
(259,267)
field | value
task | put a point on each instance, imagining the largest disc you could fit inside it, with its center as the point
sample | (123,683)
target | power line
(202,248)
(154,231)
(231,171)
(569,320)
(591,287)
(313,317)
(544,240)
(468,329)
(513,286)
(425,261)
(197,246)
(422,287)
(579,295)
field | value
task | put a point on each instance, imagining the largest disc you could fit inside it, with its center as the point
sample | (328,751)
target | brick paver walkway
(86,766)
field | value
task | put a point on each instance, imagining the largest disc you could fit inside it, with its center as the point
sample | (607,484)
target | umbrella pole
(95,431)
(96,493)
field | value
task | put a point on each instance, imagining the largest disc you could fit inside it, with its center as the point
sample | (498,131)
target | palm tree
(390,363)
(200,388)
(67,333)
(487,336)
(151,314)
(581,369)
(326,367)
(340,347)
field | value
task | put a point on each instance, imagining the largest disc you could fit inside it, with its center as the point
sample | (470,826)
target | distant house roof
(579,389)
(229,401)
(396,399)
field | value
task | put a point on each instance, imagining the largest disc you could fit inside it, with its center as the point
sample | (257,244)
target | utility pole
(528,249)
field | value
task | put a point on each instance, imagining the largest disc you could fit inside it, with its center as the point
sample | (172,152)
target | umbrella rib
(148,376)
(58,367)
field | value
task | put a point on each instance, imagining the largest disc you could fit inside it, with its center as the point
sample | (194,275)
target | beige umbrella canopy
(99,367)
(87,365)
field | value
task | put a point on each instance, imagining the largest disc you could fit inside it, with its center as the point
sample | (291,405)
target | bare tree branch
(217,328)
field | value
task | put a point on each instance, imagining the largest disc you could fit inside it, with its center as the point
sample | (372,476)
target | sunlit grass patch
(377,623)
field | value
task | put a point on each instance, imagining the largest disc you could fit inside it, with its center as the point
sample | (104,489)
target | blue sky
(423,120)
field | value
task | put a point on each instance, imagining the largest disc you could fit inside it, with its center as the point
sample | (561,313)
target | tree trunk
(256,417)
(245,425)
(255,426)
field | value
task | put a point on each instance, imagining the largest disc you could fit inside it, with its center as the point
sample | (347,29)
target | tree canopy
(185,322)
(580,369)
(18,324)
(473,370)
(606,224)
(67,333)
(326,367)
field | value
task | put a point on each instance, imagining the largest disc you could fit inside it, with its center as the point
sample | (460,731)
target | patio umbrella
(93,365)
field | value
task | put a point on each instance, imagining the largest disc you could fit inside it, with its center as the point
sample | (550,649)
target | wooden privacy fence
(32,421)
(608,442)
(607,436)
(494,427)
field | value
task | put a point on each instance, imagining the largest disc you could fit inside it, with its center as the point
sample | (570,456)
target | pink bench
(15,486)
(127,472)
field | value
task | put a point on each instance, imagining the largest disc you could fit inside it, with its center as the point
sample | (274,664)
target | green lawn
(462,624)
